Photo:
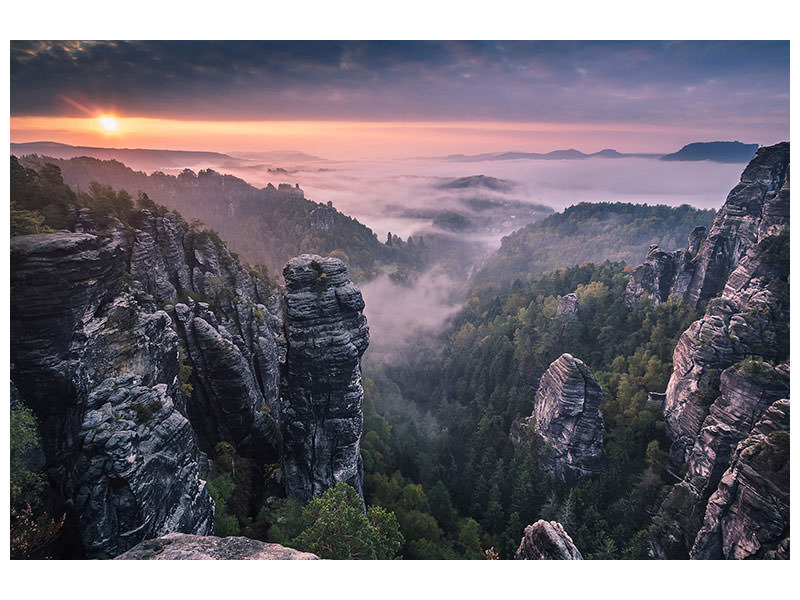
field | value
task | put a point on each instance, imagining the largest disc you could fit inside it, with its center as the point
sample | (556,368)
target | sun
(108,122)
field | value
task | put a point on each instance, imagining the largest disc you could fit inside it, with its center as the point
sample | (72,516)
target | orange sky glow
(349,139)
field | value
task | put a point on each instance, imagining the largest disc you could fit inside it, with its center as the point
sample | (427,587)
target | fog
(399,314)
(406,197)
(382,194)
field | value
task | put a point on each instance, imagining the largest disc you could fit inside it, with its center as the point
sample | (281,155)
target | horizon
(356,100)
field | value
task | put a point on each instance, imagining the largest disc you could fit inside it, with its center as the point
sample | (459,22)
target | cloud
(393,80)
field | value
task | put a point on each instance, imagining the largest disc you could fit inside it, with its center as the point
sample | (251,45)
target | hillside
(268,225)
(589,232)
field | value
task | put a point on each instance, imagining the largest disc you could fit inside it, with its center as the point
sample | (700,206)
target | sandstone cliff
(754,209)
(321,415)
(748,515)
(547,541)
(728,366)
(140,347)
(567,417)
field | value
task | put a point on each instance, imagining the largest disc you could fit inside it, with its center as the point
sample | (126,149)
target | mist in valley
(413,198)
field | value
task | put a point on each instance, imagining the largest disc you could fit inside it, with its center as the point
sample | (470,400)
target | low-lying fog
(427,196)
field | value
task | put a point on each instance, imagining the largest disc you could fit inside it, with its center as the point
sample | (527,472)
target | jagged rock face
(321,393)
(322,217)
(92,353)
(746,391)
(750,319)
(179,546)
(723,380)
(137,475)
(748,515)
(736,227)
(756,208)
(230,329)
(568,305)
(89,357)
(662,275)
(567,415)
(547,541)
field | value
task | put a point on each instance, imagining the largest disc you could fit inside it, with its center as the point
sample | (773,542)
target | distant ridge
(726,152)
(149,159)
(166,158)
(570,154)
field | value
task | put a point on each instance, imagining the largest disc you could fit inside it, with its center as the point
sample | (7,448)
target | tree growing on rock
(337,528)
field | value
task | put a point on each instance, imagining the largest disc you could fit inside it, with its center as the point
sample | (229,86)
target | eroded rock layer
(321,394)
(748,514)
(729,367)
(141,348)
(754,209)
(98,364)
(567,415)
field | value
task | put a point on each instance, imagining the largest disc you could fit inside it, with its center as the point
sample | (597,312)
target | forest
(595,232)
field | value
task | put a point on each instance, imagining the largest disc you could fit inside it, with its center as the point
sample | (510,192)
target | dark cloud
(597,81)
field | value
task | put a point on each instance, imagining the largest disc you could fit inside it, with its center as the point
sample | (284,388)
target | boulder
(546,541)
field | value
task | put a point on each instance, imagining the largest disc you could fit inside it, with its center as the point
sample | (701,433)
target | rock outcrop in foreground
(547,541)
(729,368)
(140,348)
(321,415)
(567,415)
(98,364)
(180,546)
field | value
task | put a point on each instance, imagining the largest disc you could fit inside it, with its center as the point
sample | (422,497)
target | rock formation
(568,305)
(140,348)
(755,208)
(748,515)
(567,416)
(321,395)
(728,366)
(546,541)
(98,365)
(180,546)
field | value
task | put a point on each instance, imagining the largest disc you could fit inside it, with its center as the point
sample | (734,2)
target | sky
(346,99)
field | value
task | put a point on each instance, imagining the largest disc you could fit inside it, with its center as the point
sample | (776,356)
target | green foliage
(221,489)
(32,530)
(184,373)
(39,201)
(26,484)
(337,528)
(481,381)
(285,517)
(589,232)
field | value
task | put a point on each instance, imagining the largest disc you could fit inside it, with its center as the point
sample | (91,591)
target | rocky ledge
(180,546)
(547,541)
(748,515)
